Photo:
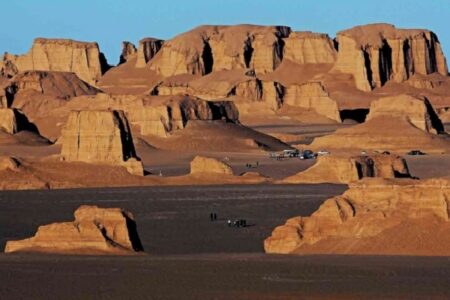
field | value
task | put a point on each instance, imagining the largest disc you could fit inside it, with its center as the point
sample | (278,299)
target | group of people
(249,166)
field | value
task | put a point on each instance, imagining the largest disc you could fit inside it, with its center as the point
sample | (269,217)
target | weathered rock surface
(8,120)
(129,51)
(214,48)
(201,165)
(309,48)
(346,169)
(9,163)
(82,58)
(376,217)
(377,53)
(312,96)
(100,137)
(148,48)
(418,111)
(94,231)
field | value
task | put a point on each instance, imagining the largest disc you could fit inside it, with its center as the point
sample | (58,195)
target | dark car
(416,152)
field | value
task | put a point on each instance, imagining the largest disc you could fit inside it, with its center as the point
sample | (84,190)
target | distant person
(215,216)
(229,223)
(211,216)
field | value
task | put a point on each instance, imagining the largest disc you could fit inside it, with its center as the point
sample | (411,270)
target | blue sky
(109,22)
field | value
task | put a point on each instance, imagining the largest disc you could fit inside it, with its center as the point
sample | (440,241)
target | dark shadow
(104,66)
(397,174)
(385,62)
(23,123)
(128,149)
(434,118)
(407,58)
(133,234)
(248,53)
(359,115)
(368,67)
(207,56)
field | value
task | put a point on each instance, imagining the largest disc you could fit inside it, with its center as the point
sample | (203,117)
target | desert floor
(190,257)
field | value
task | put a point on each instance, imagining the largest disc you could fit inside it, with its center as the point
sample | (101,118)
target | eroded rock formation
(376,217)
(377,53)
(8,122)
(81,58)
(95,230)
(346,169)
(100,137)
(201,165)
(418,111)
(309,48)
(148,48)
(128,51)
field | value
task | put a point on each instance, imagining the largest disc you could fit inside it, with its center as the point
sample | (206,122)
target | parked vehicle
(416,152)
(307,154)
(322,152)
(291,153)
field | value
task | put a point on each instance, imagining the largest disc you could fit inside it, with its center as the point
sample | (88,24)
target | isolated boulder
(95,230)
(201,165)
(345,169)
(100,137)
(373,217)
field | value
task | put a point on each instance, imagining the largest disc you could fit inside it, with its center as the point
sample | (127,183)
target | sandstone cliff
(309,48)
(94,231)
(345,169)
(377,53)
(201,165)
(148,48)
(100,137)
(376,217)
(8,122)
(81,58)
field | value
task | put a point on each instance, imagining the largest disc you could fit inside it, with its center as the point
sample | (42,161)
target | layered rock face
(201,165)
(418,111)
(82,58)
(309,48)
(312,95)
(377,217)
(345,169)
(148,48)
(100,137)
(377,53)
(9,163)
(129,51)
(95,230)
(214,48)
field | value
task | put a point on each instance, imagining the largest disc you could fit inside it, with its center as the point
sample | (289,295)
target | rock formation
(312,95)
(100,137)
(201,165)
(95,230)
(83,59)
(373,217)
(377,53)
(418,111)
(9,163)
(148,48)
(8,120)
(346,169)
(128,51)
(309,48)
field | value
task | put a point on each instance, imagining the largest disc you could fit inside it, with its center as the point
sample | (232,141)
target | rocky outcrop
(8,122)
(148,48)
(346,169)
(214,48)
(63,85)
(9,163)
(417,110)
(377,53)
(376,217)
(100,137)
(128,51)
(309,48)
(201,165)
(95,230)
(82,58)
(312,96)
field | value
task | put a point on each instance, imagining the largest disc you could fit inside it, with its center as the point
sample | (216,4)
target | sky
(109,22)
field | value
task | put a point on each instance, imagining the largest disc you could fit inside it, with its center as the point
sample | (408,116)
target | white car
(322,152)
